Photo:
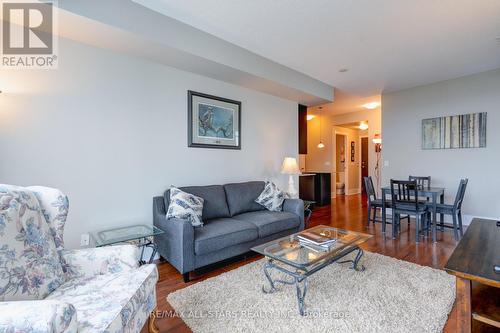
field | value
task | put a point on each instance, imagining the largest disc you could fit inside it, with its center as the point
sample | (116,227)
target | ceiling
(386,45)
(142,32)
(346,103)
(353,126)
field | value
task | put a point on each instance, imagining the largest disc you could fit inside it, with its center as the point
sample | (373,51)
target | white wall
(402,114)
(111,132)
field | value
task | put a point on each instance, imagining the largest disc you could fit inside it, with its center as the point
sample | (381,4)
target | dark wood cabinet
(322,189)
(306,187)
(302,129)
(316,187)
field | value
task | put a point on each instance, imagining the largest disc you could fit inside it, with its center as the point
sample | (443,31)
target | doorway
(349,149)
(364,161)
(340,170)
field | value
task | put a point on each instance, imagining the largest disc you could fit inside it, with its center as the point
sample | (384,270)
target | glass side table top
(124,234)
(290,251)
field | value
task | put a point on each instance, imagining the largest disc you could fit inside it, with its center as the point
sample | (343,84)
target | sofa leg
(152,322)
(185,277)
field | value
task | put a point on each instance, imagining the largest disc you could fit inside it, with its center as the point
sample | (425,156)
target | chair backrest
(422,181)
(370,190)
(55,206)
(404,193)
(460,193)
(30,264)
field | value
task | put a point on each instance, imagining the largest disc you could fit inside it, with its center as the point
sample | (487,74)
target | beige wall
(319,160)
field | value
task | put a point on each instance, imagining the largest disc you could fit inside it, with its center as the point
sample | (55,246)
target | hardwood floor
(345,212)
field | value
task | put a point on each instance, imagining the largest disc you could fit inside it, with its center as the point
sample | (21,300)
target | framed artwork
(213,122)
(353,151)
(462,131)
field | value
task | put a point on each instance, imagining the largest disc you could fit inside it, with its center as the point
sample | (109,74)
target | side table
(308,210)
(140,235)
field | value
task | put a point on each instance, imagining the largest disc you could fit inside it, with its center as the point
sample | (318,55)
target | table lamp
(290,167)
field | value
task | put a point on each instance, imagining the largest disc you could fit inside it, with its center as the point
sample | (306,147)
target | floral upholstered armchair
(46,288)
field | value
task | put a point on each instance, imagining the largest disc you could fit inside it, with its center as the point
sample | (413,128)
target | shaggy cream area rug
(389,296)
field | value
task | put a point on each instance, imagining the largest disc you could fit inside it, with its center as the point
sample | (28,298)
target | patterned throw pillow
(185,206)
(271,197)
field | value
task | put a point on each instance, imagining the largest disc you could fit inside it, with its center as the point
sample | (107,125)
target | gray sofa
(233,223)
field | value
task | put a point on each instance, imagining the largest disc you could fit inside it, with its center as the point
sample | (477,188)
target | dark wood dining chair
(373,203)
(455,210)
(404,194)
(422,181)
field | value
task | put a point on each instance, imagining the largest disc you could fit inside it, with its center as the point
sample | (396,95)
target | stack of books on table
(315,241)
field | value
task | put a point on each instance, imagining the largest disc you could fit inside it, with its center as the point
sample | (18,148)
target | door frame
(334,161)
(360,156)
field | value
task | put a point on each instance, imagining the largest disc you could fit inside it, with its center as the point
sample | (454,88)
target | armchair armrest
(295,206)
(44,316)
(176,245)
(101,260)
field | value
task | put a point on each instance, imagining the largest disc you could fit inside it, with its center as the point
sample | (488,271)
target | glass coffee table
(299,261)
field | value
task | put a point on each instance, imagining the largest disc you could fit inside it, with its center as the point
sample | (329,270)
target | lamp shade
(290,166)
(377,139)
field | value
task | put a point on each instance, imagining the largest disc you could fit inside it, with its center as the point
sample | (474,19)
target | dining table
(433,193)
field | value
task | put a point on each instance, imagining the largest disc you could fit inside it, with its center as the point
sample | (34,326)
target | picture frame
(213,121)
(353,151)
(455,132)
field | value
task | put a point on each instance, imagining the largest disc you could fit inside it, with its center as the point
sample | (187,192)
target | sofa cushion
(29,262)
(241,197)
(111,302)
(269,223)
(218,234)
(215,204)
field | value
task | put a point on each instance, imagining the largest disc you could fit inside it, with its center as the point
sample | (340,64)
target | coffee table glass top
(124,234)
(292,252)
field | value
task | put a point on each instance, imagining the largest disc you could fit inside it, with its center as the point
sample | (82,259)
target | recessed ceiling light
(343,70)
(310,117)
(371,105)
(363,126)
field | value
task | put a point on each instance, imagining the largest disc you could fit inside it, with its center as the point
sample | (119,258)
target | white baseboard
(466,219)
(353,191)
(349,192)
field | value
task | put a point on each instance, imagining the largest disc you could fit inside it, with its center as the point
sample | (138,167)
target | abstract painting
(213,122)
(461,131)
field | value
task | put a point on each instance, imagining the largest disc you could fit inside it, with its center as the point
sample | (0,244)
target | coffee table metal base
(299,277)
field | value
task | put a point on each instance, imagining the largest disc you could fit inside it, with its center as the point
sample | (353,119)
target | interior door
(364,160)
